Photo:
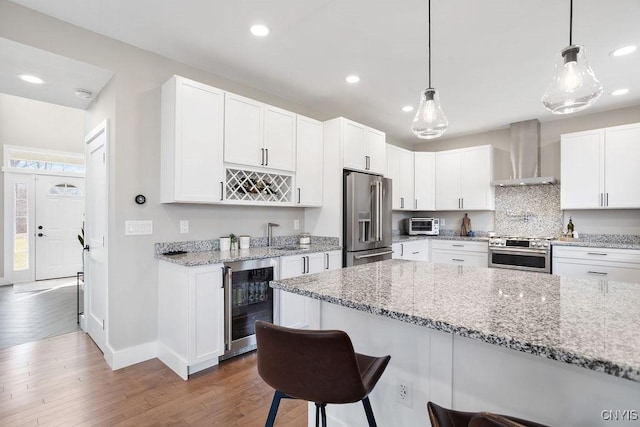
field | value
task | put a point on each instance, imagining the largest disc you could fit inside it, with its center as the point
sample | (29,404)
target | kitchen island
(557,350)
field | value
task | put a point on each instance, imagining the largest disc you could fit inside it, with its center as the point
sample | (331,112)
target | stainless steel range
(521,253)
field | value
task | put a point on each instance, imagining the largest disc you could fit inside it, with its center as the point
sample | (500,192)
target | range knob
(545,244)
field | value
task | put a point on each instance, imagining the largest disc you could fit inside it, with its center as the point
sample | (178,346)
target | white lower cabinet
(190,317)
(295,311)
(414,250)
(597,263)
(460,252)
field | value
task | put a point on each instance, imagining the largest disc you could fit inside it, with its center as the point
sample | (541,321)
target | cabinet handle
(606,198)
(597,253)
(458,246)
(298,195)
(414,253)
(416,204)
(262,156)
(457,259)
(367,162)
(304,264)
(401,249)
(266,162)
(601,199)
(458,203)
(327,261)
(462,202)
(599,273)
(401,202)
(221,191)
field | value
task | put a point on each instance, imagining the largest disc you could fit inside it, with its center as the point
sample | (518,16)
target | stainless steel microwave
(422,226)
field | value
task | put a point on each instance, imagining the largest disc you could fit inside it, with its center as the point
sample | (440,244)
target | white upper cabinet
(309,154)
(192,132)
(279,138)
(257,134)
(375,151)
(425,181)
(463,179)
(243,131)
(364,148)
(400,166)
(600,168)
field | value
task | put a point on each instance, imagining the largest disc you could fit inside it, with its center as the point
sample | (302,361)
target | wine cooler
(247,298)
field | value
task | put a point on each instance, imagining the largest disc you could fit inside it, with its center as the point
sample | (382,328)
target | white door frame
(96,322)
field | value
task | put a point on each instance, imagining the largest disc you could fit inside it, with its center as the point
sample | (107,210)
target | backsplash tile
(528,211)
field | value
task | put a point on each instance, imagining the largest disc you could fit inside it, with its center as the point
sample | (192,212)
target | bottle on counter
(570,228)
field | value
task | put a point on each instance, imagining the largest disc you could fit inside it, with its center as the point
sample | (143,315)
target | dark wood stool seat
(317,366)
(442,417)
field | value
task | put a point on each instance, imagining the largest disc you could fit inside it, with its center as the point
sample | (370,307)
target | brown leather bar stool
(317,366)
(442,417)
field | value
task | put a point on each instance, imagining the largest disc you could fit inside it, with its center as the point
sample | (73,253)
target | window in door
(21,227)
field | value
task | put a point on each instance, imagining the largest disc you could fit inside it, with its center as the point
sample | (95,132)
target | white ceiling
(492,59)
(62,75)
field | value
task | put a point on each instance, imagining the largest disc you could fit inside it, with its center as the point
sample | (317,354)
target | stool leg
(369,412)
(324,414)
(275,403)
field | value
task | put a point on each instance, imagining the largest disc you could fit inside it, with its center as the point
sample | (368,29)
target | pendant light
(430,121)
(574,86)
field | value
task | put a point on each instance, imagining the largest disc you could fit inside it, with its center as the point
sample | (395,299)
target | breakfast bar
(556,350)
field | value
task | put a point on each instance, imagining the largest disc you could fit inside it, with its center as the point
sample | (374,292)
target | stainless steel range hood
(525,156)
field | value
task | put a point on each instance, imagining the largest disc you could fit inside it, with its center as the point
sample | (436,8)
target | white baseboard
(175,362)
(130,356)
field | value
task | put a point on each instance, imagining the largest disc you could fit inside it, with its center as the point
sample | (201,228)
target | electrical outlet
(184,226)
(296,224)
(443,221)
(404,392)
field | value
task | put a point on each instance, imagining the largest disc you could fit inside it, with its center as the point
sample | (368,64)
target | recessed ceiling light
(259,30)
(619,92)
(623,51)
(407,108)
(30,78)
(352,79)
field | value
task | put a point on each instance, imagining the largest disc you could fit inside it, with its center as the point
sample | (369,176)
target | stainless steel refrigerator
(367,218)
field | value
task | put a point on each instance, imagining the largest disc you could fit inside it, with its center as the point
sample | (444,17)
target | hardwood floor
(32,316)
(65,381)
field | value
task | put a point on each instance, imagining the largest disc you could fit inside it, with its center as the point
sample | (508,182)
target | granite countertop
(192,259)
(405,238)
(583,322)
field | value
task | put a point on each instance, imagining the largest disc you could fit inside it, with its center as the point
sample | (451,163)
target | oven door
(520,259)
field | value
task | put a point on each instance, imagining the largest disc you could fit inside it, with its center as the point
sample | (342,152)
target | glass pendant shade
(574,86)
(430,121)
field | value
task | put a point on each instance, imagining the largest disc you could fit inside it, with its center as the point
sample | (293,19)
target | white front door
(59,217)
(96,226)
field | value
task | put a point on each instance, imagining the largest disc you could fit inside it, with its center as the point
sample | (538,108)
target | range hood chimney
(524,147)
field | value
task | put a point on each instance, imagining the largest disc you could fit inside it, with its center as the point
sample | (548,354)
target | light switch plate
(184,226)
(138,228)
(296,224)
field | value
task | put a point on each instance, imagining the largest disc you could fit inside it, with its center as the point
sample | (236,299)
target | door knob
(40,234)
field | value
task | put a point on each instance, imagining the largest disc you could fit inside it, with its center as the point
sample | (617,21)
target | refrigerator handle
(379,211)
(227,310)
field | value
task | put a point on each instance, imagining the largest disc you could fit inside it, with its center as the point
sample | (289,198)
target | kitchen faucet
(270,226)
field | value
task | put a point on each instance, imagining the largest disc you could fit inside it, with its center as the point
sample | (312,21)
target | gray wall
(28,123)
